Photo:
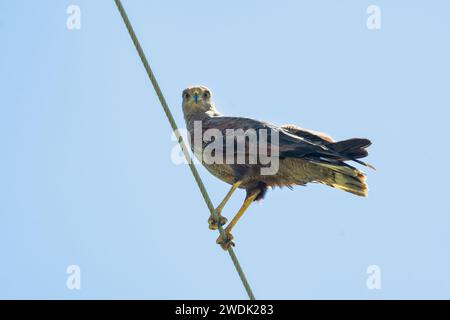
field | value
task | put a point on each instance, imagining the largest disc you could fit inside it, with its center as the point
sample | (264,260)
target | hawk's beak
(196,97)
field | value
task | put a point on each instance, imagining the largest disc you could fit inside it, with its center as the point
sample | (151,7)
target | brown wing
(293,141)
(313,136)
(289,142)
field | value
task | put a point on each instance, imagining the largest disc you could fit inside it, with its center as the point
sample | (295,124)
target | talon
(225,241)
(214,224)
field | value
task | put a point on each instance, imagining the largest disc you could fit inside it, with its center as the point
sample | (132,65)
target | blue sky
(86,176)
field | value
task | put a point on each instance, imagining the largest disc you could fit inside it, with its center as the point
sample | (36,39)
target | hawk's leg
(212,221)
(225,239)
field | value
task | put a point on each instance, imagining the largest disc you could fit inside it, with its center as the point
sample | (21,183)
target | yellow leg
(213,223)
(225,240)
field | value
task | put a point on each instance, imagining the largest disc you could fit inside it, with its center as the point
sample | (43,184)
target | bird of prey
(304,156)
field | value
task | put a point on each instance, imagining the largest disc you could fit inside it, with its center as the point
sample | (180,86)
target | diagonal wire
(181,142)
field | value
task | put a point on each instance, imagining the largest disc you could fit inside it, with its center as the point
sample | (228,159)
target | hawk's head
(197,99)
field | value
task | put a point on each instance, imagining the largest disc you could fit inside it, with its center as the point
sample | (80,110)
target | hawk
(304,156)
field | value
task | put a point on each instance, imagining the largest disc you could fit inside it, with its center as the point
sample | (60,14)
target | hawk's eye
(186,95)
(205,94)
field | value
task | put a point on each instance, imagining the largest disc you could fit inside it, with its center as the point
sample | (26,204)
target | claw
(225,240)
(214,224)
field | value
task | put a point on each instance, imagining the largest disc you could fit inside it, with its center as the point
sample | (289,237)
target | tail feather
(353,148)
(346,178)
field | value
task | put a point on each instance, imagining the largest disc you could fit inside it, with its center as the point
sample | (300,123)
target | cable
(181,142)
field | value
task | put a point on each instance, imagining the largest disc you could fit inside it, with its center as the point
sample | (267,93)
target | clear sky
(86,176)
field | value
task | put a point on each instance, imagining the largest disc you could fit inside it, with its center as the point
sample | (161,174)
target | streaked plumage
(304,156)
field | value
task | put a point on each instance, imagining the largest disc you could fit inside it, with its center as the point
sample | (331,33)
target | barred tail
(346,178)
